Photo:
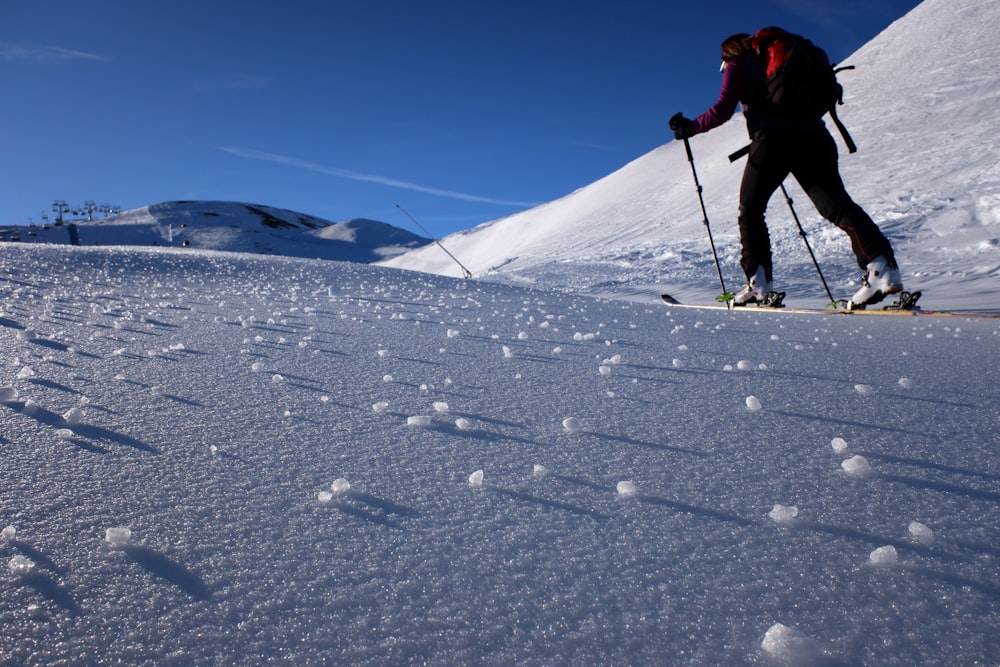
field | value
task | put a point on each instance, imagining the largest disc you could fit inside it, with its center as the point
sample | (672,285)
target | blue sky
(460,111)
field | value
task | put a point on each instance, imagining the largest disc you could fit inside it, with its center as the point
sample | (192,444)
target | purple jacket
(742,82)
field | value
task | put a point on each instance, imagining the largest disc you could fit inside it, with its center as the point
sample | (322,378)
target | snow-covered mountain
(922,106)
(239,227)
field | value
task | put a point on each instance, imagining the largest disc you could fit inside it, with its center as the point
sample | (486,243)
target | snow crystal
(626,489)
(884,556)
(463,424)
(418,420)
(340,486)
(8,534)
(380,406)
(791,647)
(571,424)
(839,445)
(117,537)
(476,479)
(21,565)
(783,513)
(539,471)
(857,466)
(753,403)
(7,394)
(920,533)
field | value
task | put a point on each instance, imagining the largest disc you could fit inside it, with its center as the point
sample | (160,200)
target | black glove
(681,126)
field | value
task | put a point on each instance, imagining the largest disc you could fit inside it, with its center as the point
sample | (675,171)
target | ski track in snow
(225,459)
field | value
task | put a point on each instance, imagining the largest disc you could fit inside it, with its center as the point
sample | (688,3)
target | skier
(779,146)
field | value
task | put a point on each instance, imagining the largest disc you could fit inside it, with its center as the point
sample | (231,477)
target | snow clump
(340,486)
(857,466)
(626,489)
(73,416)
(463,424)
(7,394)
(571,424)
(8,534)
(118,537)
(839,445)
(539,471)
(476,479)
(920,533)
(21,565)
(380,406)
(783,513)
(418,420)
(789,646)
(753,403)
(884,556)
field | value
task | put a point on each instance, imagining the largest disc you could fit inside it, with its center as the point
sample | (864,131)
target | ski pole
(802,233)
(725,296)
(468,274)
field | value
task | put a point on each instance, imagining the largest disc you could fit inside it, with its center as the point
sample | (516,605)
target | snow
(225,458)
(167,501)
(921,105)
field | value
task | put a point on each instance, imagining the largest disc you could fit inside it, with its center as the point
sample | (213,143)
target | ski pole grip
(733,157)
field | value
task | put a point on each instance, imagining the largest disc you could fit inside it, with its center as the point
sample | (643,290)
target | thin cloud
(367,178)
(48,54)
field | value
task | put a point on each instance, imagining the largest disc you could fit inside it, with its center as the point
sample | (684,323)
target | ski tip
(666,298)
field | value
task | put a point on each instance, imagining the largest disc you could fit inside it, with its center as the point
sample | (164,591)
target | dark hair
(736,45)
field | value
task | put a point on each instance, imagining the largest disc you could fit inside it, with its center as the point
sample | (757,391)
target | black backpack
(801,82)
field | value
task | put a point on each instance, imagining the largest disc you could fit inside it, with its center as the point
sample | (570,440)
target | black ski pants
(811,157)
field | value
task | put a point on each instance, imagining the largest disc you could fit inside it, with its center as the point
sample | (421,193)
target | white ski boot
(880,281)
(756,289)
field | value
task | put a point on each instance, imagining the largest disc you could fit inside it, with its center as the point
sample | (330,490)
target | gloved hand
(681,126)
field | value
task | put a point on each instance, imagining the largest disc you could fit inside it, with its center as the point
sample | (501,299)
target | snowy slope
(239,227)
(921,106)
(535,478)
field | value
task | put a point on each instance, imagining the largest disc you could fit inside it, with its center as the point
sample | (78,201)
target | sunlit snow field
(226,459)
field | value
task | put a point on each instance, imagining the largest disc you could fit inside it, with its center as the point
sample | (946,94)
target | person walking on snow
(781,146)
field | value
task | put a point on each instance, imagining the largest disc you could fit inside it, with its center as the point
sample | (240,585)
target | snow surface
(922,107)
(213,458)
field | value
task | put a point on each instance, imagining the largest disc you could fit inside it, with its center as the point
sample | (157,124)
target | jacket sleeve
(734,82)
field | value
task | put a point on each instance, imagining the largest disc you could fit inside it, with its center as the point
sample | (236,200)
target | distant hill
(238,227)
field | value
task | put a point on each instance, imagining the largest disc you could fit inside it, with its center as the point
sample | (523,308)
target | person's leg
(767,166)
(815,168)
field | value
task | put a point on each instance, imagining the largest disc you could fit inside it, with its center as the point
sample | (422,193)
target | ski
(905,306)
